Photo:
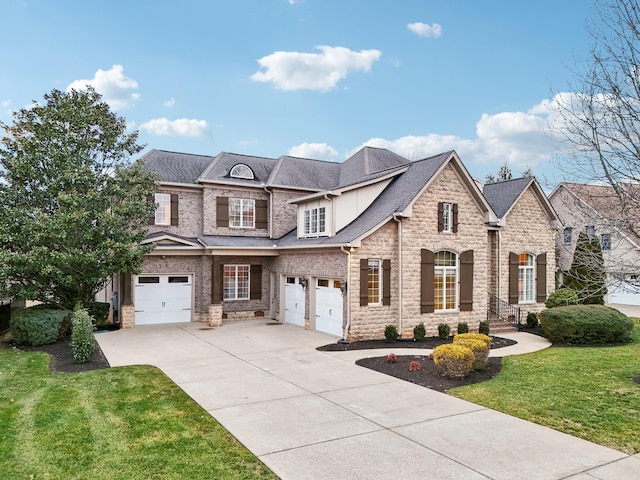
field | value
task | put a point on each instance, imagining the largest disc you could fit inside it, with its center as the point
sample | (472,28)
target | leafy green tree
(74,206)
(587,274)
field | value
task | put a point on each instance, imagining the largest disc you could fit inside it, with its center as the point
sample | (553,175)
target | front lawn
(588,392)
(118,423)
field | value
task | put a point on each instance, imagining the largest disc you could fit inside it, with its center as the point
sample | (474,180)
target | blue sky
(311,78)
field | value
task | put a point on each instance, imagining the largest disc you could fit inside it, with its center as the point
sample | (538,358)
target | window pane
(567,235)
(446,281)
(526,285)
(163,211)
(321,220)
(446,217)
(374,282)
(236,282)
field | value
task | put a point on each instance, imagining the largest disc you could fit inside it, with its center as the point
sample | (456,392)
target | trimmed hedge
(562,297)
(479,348)
(473,336)
(585,325)
(39,325)
(452,360)
(82,343)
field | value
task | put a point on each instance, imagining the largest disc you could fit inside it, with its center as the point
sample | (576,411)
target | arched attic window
(242,171)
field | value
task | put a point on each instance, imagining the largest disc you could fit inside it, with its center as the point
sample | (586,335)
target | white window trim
(444,270)
(375,263)
(235,296)
(242,202)
(523,270)
(241,170)
(162,214)
(314,222)
(447,217)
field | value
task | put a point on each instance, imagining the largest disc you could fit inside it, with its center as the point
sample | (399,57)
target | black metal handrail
(505,311)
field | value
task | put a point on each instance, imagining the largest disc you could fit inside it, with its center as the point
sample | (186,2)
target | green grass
(587,392)
(118,423)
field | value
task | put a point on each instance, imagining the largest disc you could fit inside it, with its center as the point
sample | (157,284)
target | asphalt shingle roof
(502,195)
(176,167)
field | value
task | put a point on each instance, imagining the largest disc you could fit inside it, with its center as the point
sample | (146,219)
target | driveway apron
(316,415)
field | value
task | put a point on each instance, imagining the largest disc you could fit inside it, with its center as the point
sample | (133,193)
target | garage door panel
(294,301)
(329,307)
(163,299)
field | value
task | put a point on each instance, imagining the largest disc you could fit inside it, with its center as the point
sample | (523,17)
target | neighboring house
(613,219)
(343,248)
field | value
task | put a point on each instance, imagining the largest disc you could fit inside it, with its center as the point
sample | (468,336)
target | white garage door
(624,294)
(294,301)
(329,307)
(162,299)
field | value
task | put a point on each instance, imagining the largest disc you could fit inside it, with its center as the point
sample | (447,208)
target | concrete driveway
(316,415)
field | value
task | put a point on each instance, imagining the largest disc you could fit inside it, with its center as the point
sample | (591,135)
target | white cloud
(6,103)
(313,71)
(318,151)
(182,127)
(425,30)
(114,86)
(169,103)
(416,147)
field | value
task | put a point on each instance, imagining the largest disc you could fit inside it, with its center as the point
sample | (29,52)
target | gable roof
(502,196)
(367,161)
(219,169)
(305,174)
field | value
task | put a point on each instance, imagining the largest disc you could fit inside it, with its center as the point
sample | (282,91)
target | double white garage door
(163,299)
(328,305)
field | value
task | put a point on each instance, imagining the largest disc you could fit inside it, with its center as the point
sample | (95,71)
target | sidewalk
(316,415)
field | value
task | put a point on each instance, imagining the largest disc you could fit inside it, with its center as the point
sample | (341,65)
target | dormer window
(314,221)
(242,171)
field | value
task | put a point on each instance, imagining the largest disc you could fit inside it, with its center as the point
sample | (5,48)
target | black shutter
(261,214)
(541,280)
(222,212)
(427,260)
(255,282)
(440,216)
(174,209)
(466,281)
(152,218)
(454,225)
(386,282)
(364,282)
(514,263)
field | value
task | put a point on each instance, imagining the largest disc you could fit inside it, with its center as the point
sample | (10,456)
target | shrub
(414,366)
(463,327)
(484,328)
(392,358)
(39,325)
(82,343)
(473,336)
(452,360)
(419,332)
(479,348)
(585,325)
(532,319)
(443,331)
(562,298)
(391,333)
(99,311)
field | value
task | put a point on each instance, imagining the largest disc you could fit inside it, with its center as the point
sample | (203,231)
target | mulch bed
(428,375)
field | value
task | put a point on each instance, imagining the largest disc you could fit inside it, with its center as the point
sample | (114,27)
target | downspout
(347,326)
(395,217)
(499,263)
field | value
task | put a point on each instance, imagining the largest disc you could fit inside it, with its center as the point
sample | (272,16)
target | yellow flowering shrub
(476,336)
(479,348)
(452,360)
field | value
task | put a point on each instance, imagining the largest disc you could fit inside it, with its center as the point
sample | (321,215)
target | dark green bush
(532,319)
(484,327)
(561,298)
(419,332)
(443,331)
(82,343)
(463,327)
(585,325)
(391,333)
(99,311)
(39,325)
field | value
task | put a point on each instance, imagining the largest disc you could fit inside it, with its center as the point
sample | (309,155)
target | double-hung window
(445,281)
(315,221)
(242,213)
(526,285)
(375,282)
(163,209)
(236,282)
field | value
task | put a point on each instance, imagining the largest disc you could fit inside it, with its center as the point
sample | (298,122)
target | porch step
(498,326)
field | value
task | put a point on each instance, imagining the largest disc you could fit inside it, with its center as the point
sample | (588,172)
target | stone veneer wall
(189,213)
(527,230)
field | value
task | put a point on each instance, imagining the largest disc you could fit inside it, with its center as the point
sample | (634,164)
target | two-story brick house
(344,248)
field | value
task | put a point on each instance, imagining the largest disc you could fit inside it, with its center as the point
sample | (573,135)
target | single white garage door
(624,294)
(162,299)
(294,301)
(329,307)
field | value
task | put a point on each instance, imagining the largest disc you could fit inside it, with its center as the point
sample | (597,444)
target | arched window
(242,171)
(445,280)
(526,278)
